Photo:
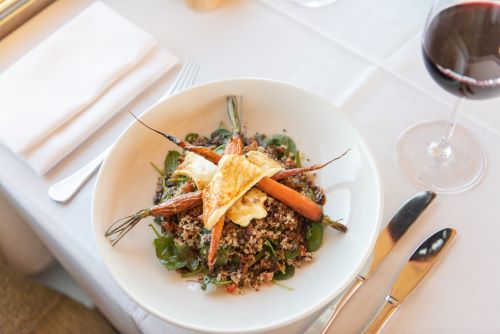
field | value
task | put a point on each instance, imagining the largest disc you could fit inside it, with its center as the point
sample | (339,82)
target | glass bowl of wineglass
(461,51)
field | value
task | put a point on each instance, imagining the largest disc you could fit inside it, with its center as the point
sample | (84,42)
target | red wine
(461,49)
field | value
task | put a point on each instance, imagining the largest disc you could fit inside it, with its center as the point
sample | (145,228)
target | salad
(234,210)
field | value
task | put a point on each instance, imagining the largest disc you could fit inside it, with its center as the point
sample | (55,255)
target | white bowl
(126,183)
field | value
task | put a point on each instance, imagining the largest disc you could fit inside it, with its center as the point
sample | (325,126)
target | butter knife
(413,272)
(387,239)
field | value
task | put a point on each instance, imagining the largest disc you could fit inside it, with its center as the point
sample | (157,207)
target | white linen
(281,40)
(43,156)
(64,89)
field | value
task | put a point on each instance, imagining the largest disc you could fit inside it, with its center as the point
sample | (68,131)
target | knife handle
(382,317)
(352,290)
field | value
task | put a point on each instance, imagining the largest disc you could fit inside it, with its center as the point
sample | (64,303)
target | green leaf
(221,133)
(221,258)
(314,237)
(200,270)
(283,140)
(216,282)
(270,246)
(261,139)
(234,261)
(259,255)
(172,263)
(171,161)
(298,162)
(220,149)
(204,251)
(192,263)
(289,272)
(191,137)
(292,254)
(161,243)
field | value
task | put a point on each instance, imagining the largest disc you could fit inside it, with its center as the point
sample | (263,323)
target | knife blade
(387,239)
(421,261)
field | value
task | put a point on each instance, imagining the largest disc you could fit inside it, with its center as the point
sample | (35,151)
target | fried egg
(235,176)
(197,168)
(249,206)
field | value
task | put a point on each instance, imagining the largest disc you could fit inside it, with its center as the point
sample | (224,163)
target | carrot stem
(296,171)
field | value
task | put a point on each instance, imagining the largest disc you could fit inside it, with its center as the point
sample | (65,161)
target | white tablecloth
(364,56)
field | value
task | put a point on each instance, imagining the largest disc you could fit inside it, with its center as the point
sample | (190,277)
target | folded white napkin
(64,89)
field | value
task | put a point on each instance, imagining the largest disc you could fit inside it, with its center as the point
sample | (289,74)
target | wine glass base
(461,171)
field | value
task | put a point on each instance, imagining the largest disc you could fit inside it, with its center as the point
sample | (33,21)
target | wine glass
(461,51)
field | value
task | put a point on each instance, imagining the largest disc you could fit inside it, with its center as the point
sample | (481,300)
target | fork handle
(347,296)
(63,190)
(324,321)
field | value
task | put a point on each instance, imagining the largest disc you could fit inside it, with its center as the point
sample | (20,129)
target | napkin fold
(64,89)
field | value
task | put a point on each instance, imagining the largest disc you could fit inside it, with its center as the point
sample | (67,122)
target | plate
(126,184)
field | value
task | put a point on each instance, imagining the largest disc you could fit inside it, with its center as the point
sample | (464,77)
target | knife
(417,267)
(387,239)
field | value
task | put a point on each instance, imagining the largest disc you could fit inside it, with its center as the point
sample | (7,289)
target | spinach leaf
(162,244)
(221,258)
(221,132)
(200,270)
(193,263)
(283,140)
(261,139)
(292,254)
(270,246)
(314,237)
(172,262)
(289,272)
(171,161)
(191,137)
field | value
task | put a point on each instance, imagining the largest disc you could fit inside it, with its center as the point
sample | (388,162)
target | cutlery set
(422,259)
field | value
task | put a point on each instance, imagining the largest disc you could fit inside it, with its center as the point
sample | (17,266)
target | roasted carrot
(266,184)
(214,243)
(233,146)
(170,207)
(177,204)
(291,198)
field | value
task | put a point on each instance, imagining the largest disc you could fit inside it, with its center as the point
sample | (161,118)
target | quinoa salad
(260,238)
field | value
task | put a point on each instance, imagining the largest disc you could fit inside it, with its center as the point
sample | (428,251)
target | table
(362,55)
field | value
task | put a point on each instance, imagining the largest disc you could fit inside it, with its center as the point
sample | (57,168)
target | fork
(65,189)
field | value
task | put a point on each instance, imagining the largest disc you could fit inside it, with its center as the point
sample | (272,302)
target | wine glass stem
(441,149)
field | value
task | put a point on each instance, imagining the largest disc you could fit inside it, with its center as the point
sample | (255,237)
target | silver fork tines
(185,78)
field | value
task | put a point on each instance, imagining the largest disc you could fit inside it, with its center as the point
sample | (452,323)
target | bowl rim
(274,325)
